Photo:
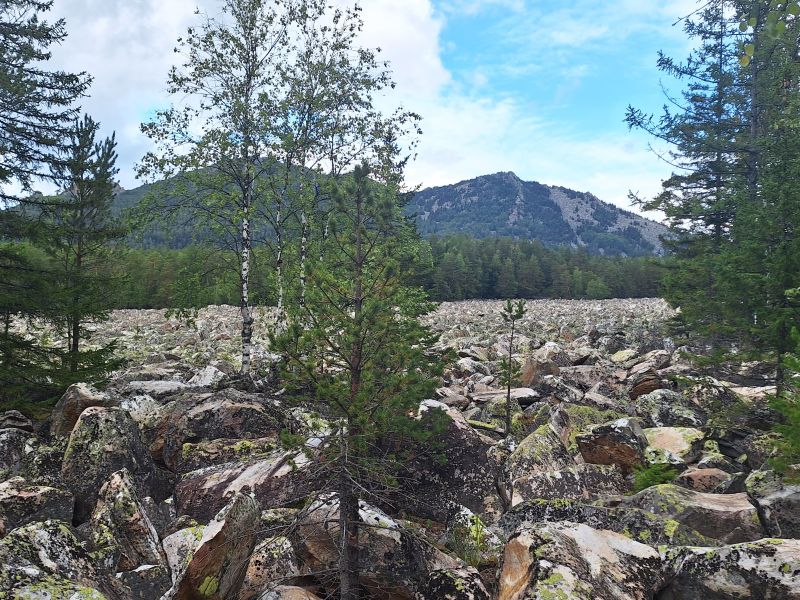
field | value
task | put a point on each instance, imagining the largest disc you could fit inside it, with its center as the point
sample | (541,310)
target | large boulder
(619,442)
(271,564)
(21,503)
(467,476)
(229,414)
(179,547)
(205,453)
(103,441)
(580,482)
(279,480)
(121,530)
(569,560)
(637,524)
(666,408)
(730,518)
(391,558)
(13,419)
(45,559)
(218,565)
(767,569)
(644,382)
(453,584)
(12,450)
(673,445)
(542,450)
(75,400)
(778,503)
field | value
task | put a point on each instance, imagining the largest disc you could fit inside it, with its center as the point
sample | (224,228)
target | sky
(538,87)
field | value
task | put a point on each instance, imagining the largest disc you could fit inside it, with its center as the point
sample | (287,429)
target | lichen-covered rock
(453,584)
(466,367)
(217,568)
(288,592)
(542,450)
(224,415)
(13,419)
(41,462)
(575,562)
(390,556)
(619,442)
(103,441)
(666,408)
(468,475)
(580,482)
(639,525)
(179,548)
(12,445)
(272,563)
(147,582)
(730,518)
(75,400)
(21,503)
(280,479)
(644,382)
(673,445)
(767,569)
(778,503)
(47,554)
(120,529)
(705,480)
(202,454)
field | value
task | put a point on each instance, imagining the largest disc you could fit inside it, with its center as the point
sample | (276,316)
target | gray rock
(666,408)
(619,442)
(580,482)
(12,446)
(21,503)
(13,419)
(778,503)
(75,400)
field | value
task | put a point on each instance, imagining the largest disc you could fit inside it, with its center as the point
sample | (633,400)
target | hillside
(503,205)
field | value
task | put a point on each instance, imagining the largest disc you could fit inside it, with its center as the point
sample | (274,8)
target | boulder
(666,408)
(673,445)
(574,561)
(644,382)
(730,518)
(468,475)
(767,569)
(619,442)
(179,548)
(12,446)
(207,377)
(46,557)
(778,503)
(542,450)
(158,389)
(75,400)
(201,454)
(21,503)
(466,367)
(41,462)
(279,480)
(103,441)
(147,582)
(218,565)
(704,480)
(639,525)
(120,529)
(453,584)
(272,563)
(13,419)
(390,556)
(288,592)
(229,414)
(580,482)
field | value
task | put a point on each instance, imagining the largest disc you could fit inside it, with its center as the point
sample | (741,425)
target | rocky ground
(172,483)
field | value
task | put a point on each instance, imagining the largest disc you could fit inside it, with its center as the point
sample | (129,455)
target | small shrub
(645,477)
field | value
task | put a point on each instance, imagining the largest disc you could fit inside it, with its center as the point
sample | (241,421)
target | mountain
(503,205)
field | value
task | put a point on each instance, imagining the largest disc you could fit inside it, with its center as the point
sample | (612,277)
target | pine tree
(512,312)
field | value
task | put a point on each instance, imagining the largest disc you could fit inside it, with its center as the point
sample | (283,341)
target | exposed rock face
(666,408)
(103,441)
(568,560)
(778,503)
(12,444)
(75,400)
(273,562)
(217,568)
(21,503)
(453,584)
(620,443)
(730,518)
(580,482)
(768,569)
(673,445)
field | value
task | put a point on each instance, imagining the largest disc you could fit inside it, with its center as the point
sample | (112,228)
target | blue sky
(538,87)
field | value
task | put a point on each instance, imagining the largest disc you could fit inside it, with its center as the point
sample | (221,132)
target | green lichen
(785,568)
(670,527)
(209,586)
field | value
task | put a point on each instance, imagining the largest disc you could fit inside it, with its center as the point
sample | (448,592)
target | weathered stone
(229,414)
(272,563)
(41,463)
(217,568)
(179,548)
(778,503)
(276,481)
(542,450)
(453,584)
(12,445)
(13,419)
(666,408)
(580,482)
(103,441)
(46,555)
(730,518)
(574,561)
(75,400)
(619,442)
(21,503)
(207,377)
(624,356)
(673,445)
(288,592)
(147,582)
(768,569)
(644,382)
(466,367)
(120,528)
(157,389)
(195,456)
(704,480)
(639,525)
(390,557)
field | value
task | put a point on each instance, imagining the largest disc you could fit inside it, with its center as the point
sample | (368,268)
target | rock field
(173,482)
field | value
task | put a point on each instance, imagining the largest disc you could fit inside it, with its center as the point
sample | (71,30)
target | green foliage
(787,448)
(656,474)
(468,540)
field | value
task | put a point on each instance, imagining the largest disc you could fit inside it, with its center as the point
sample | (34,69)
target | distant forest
(456,268)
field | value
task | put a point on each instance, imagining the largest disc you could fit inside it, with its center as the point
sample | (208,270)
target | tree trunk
(508,384)
(303,255)
(247,314)
(348,524)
